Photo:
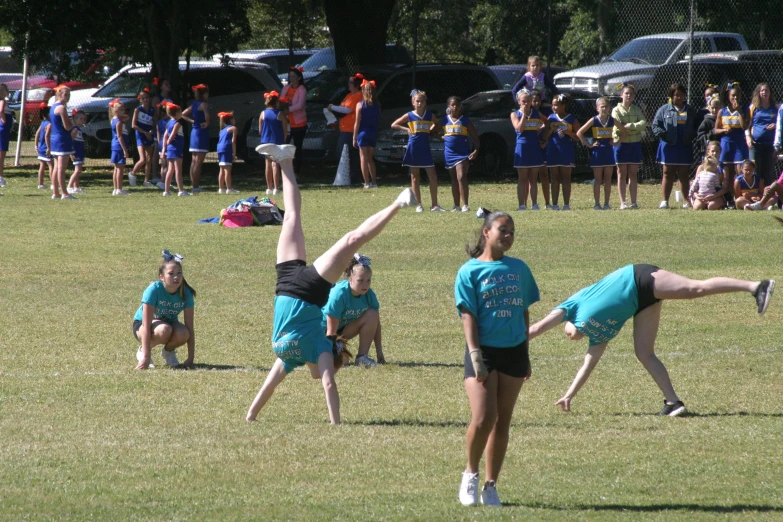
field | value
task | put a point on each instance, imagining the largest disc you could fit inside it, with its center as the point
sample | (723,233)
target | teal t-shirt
(600,310)
(346,307)
(297,334)
(497,293)
(167,306)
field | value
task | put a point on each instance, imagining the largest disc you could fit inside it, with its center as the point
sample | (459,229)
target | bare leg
(454,186)
(432,175)
(269,174)
(462,180)
(565,177)
(667,182)
(483,415)
(633,170)
(672,286)
(543,175)
(326,367)
(607,184)
(507,394)
(291,244)
(416,184)
(598,174)
(622,176)
(364,164)
(682,174)
(365,327)
(645,330)
(273,379)
(370,151)
(522,186)
(555,176)
(142,160)
(533,185)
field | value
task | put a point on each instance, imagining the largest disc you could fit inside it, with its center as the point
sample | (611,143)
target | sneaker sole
(768,297)
(676,413)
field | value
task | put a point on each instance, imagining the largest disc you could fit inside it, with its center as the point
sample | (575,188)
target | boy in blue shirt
(599,312)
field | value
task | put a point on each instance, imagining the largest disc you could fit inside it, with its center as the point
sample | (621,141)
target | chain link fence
(463,48)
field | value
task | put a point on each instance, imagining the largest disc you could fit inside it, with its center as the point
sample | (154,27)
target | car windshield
(508,77)
(489,105)
(124,86)
(653,51)
(323,59)
(326,87)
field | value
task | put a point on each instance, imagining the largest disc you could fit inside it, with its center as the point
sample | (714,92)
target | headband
(625,84)
(115,101)
(295,68)
(524,90)
(168,256)
(59,88)
(371,82)
(173,106)
(710,86)
(198,87)
(731,85)
(225,115)
(362,260)
(271,93)
(415,92)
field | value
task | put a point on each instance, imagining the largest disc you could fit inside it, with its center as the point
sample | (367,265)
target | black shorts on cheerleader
(514,362)
(645,285)
(296,279)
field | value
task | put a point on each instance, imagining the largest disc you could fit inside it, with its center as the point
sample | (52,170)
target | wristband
(479,368)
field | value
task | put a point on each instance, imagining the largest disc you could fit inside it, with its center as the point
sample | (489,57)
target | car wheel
(492,156)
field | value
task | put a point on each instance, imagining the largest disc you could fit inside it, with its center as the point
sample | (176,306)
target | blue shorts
(117,157)
(225,159)
(628,153)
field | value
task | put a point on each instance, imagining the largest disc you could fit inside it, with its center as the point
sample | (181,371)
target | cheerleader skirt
(674,154)
(628,153)
(528,154)
(199,140)
(733,152)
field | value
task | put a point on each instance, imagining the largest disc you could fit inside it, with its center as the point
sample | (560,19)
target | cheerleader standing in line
(273,130)
(199,133)
(227,151)
(456,129)
(60,141)
(419,123)
(120,141)
(74,184)
(543,173)
(560,156)
(528,158)
(174,140)
(43,147)
(601,153)
(159,101)
(365,132)
(144,124)
(629,126)
(731,124)
(163,122)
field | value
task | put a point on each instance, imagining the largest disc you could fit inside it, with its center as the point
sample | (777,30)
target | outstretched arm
(554,318)
(594,354)
(273,378)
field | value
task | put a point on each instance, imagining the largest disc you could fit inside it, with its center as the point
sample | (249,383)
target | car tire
(492,156)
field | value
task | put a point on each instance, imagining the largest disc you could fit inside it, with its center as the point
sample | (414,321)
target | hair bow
(371,82)
(200,86)
(713,96)
(225,115)
(59,88)
(524,90)
(172,106)
(415,92)
(295,68)
(168,256)
(625,84)
(710,86)
(43,105)
(357,76)
(115,101)
(73,112)
(561,97)
(271,93)
(155,81)
(361,259)
(731,85)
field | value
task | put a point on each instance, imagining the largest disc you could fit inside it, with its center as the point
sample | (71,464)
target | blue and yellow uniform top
(731,120)
(602,132)
(752,188)
(455,139)
(418,124)
(532,126)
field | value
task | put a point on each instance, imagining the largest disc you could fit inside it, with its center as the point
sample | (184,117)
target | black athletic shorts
(296,279)
(645,285)
(136,326)
(514,362)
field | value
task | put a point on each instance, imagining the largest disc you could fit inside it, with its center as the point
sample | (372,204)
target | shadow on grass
(705,415)
(411,422)
(222,368)
(413,364)
(653,508)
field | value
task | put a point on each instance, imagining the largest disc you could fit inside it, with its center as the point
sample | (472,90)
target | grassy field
(84,436)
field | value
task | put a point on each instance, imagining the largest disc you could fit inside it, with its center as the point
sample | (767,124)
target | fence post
(690,50)
(24,102)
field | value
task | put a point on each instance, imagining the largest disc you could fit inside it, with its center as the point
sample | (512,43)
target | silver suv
(638,60)
(238,87)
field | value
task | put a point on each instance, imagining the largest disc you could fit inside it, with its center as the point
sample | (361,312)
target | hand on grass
(143,364)
(564,403)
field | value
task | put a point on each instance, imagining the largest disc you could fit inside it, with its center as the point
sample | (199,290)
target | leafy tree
(294,23)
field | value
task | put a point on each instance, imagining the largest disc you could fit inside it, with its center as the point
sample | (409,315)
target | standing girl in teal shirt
(599,312)
(493,293)
(353,309)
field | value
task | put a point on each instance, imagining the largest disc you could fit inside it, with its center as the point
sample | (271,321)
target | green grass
(84,436)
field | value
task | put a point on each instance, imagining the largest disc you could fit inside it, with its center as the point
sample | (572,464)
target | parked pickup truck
(638,60)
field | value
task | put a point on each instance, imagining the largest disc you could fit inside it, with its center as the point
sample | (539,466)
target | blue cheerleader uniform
(752,187)
(455,139)
(272,128)
(418,153)
(41,145)
(59,139)
(78,147)
(177,147)
(560,149)
(603,154)
(225,148)
(144,119)
(681,152)
(117,155)
(199,138)
(368,126)
(628,153)
(5,128)
(733,147)
(527,153)
(162,124)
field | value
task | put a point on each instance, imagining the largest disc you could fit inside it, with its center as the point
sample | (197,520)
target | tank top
(566,123)
(370,116)
(272,128)
(60,139)
(731,120)
(602,134)
(455,132)
(198,116)
(532,126)
(224,141)
(145,118)
(5,128)
(115,140)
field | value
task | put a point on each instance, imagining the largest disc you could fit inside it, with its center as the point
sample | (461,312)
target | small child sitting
(705,186)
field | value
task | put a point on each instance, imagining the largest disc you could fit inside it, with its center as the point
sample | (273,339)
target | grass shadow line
(705,415)
(411,422)
(653,508)
(224,368)
(413,364)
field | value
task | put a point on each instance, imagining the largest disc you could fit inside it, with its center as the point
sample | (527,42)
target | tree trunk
(358,29)
(603,20)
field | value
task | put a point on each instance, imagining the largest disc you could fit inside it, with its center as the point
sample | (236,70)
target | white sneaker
(489,494)
(221,191)
(232,191)
(2,182)
(771,207)
(114,192)
(170,357)
(366,186)
(132,179)
(196,190)
(465,208)
(268,192)
(67,196)
(166,193)
(407,199)
(535,207)
(121,192)
(555,207)
(686,205)
(365,360)
(522,207)
(754,206)
(419,208)
(597,207)
(55,196)
(664,204)
(623,206)
(148,184)
(41,187)
(184,193)
(437,208)
(140,356)
(455,208)
(468,490)
(78,190)
(566,207)
(278,153)
(274,192)
(161,186)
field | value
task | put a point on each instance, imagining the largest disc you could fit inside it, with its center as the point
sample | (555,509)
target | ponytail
(478,248)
